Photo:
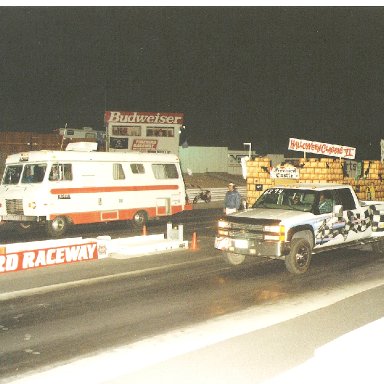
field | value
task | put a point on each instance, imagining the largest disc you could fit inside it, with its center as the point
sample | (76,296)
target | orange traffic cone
(194,241)
(144,230)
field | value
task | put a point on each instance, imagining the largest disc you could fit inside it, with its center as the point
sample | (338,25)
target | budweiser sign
(143,117)
(322,148)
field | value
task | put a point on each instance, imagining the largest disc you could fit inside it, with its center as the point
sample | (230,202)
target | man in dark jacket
(232,199)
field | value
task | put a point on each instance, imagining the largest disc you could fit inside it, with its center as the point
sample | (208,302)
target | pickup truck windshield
(282,198)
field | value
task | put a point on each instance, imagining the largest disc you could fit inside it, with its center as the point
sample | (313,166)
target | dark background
(239,74)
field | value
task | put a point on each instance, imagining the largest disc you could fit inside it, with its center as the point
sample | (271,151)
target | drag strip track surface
(78,310)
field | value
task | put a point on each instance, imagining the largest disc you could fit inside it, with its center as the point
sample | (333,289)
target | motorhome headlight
(275,232)
(32,205)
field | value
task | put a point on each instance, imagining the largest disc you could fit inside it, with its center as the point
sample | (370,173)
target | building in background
(217,159)
(143,131)
(86,133)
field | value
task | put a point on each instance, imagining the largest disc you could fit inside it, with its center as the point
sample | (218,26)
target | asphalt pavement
(288,343)
(332,336)
(299,350)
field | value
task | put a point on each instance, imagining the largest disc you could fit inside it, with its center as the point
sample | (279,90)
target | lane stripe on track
(116,363)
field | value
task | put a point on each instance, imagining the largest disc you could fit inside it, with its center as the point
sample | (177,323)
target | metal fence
(217,194)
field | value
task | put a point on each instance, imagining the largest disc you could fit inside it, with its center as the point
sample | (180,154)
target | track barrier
(37,254)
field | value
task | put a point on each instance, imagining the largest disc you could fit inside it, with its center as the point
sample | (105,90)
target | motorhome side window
(60,172)
(137,168)
(165,171)
(12,174)
(118,172)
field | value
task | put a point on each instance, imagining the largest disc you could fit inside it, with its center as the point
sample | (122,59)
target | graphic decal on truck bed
(350,222)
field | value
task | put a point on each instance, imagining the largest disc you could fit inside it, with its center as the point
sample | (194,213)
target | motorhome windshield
(12,174)
(33,173)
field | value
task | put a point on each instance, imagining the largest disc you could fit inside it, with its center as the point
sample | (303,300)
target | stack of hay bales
(321,170)
(258,178)
(369,186)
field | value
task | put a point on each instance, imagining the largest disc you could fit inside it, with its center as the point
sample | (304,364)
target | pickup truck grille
(246,227)
(243,227)
(15,207)
(246,230)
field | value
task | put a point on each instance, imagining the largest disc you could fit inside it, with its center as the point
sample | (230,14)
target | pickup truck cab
(293,222)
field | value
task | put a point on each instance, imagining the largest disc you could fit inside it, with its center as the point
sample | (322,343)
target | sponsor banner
(322,148)
(143,117)
(287,171)
(23,256)
(118,143)
(144,144)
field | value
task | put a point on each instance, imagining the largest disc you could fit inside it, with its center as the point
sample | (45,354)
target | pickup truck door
(348,222)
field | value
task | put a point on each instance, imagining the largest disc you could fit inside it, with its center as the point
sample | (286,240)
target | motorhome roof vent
(82,146)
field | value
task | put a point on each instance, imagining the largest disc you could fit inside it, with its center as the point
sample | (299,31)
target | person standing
(232,199)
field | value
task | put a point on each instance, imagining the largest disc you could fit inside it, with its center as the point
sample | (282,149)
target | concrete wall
(204,159)
(217,159)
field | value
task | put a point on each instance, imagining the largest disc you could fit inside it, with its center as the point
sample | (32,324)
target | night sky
(244,74)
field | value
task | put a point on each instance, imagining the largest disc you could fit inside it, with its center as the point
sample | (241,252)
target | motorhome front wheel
(58,226)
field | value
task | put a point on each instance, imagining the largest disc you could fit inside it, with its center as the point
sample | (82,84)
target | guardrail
(217,194)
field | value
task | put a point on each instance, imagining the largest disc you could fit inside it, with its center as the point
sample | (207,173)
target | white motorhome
(60,188)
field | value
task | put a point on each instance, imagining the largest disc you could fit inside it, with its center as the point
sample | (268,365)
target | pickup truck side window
(344,197)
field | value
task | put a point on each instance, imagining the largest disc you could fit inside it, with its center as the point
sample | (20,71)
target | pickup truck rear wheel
(378,247)
(299,258)
(234,258)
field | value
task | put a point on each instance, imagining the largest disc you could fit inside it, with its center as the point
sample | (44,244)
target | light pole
(249,149)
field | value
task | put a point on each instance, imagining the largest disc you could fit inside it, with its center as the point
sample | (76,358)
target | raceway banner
(23,256)
(321,148)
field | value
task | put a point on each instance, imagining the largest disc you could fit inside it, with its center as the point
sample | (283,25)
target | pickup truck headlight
(222,224)
(276,232)
(272,228)
(223,227)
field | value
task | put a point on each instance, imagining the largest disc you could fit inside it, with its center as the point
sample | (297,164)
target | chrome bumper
(272,249)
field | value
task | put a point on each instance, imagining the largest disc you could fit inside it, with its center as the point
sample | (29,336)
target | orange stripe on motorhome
(66,191)
(124,214)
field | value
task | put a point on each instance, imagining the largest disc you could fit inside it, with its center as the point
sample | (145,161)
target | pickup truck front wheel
(234,258)
(299,258)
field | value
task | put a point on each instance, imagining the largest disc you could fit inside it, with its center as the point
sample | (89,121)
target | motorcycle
(203,195)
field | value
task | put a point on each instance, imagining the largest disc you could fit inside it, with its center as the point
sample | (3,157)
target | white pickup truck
(293,222)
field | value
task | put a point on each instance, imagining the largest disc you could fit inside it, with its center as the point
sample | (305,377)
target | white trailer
(60,188)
